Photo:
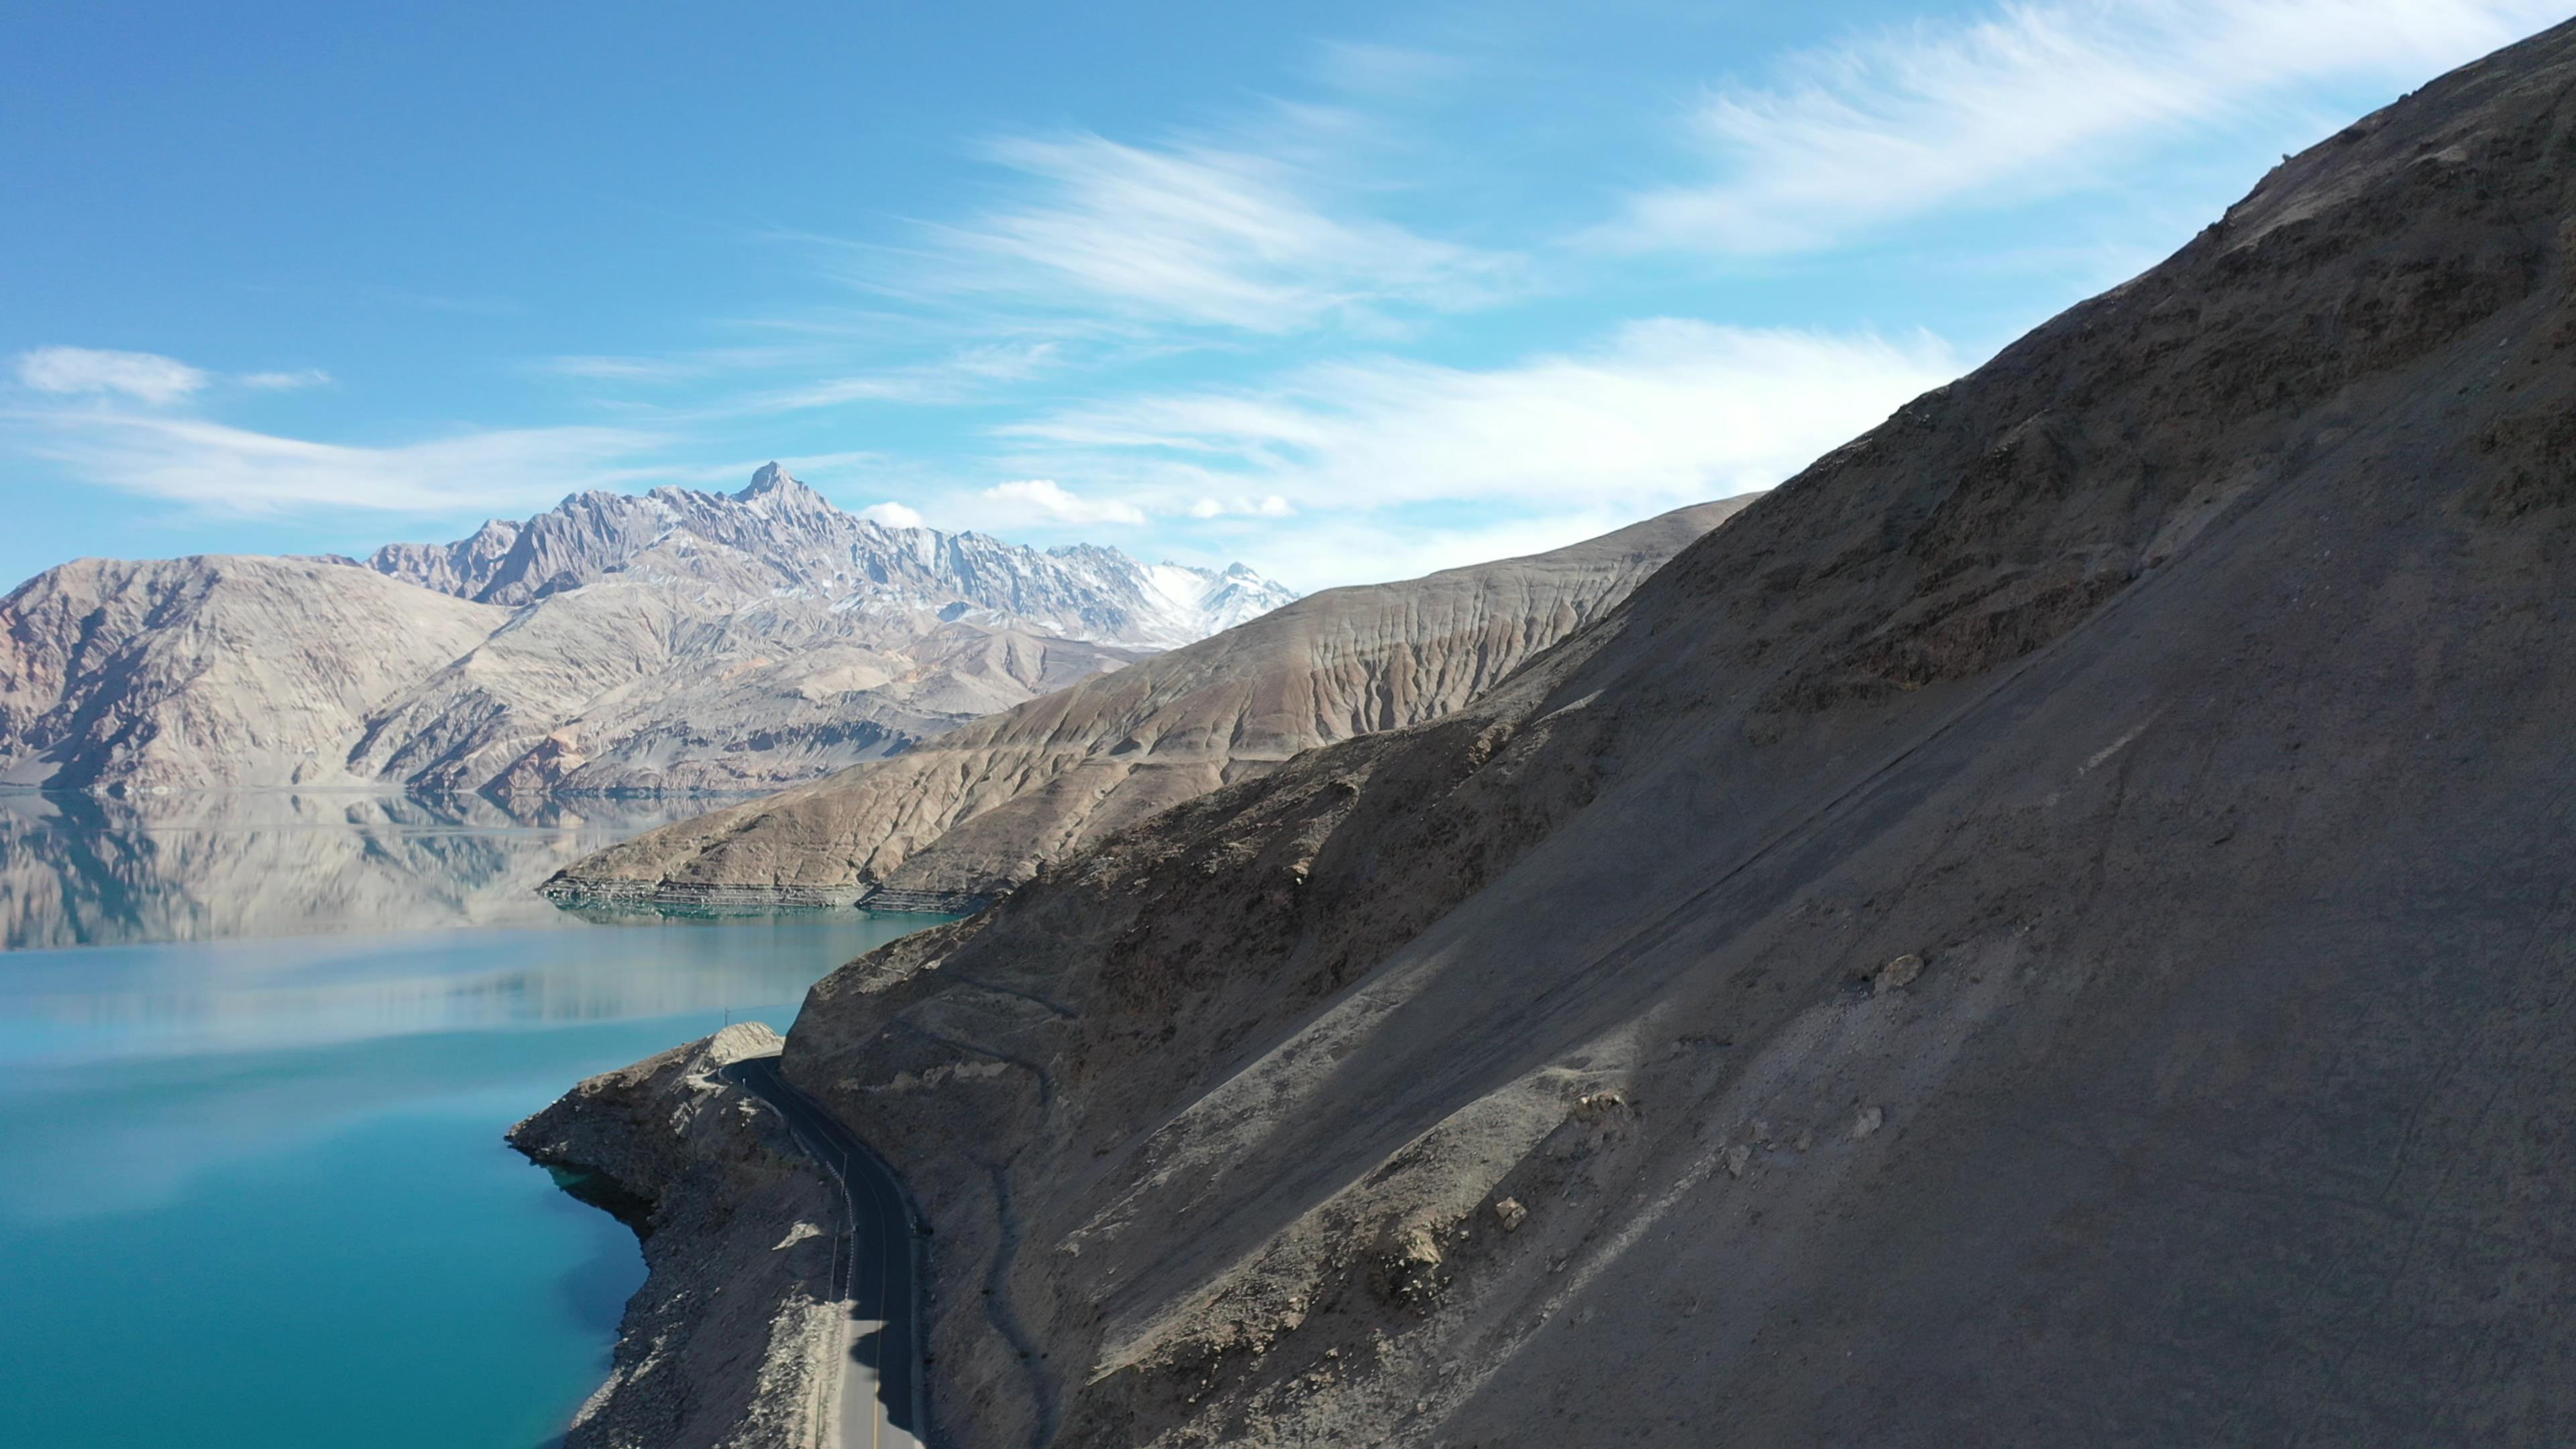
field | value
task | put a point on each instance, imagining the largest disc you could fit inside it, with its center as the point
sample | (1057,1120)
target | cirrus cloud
(2029,99)
(224,469)
(1200,235)
(79,371)
(1660,412)
(285,381)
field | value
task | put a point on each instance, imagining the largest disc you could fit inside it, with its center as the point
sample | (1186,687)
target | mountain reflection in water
(77,870)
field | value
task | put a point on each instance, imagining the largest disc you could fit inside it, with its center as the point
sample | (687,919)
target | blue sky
(1344,291)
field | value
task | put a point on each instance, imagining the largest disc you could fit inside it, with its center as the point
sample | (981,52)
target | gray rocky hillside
(2053,927)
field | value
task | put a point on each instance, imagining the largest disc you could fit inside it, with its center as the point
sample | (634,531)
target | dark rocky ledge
(728,1342)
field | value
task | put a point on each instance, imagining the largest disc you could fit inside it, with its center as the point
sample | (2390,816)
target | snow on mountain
(665,642)
(778,538)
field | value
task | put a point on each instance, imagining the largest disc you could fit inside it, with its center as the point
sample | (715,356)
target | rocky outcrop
(673,642)
(463,568)
(2181,690)
(953,823)
(728,1344)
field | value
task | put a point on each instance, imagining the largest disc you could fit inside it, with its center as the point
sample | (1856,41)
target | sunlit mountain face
(664,643)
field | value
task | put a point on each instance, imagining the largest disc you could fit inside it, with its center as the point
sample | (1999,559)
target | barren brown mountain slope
(982,808)
(185,673)
(2054,927)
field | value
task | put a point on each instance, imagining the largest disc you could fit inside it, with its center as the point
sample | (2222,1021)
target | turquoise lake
(256,1057)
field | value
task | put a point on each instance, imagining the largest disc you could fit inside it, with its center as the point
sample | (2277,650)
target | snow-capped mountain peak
(1213,600)
(778,538)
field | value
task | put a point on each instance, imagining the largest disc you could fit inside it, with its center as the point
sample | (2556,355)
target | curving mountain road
(882,1397)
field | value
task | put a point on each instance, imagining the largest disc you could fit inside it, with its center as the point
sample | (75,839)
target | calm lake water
(256,1056)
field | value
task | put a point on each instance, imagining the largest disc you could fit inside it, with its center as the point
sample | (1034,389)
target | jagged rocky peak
(776,493)
(461,568)
(778,536)
(769,478)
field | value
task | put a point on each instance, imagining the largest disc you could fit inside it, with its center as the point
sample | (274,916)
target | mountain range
(778,538)
(976,812)
(667,642)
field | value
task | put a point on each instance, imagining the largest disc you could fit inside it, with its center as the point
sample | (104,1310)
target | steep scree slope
(2053,927)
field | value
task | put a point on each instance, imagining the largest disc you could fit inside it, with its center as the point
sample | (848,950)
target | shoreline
(735,1224)
(614,893)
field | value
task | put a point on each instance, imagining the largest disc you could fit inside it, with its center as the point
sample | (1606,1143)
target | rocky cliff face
(665,643)
(2052,927)
(462,568)
(982,809)
(727,1346)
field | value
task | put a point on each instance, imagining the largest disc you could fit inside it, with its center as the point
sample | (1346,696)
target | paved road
(882,1400)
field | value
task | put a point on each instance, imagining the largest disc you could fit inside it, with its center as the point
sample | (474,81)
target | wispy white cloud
(683,366)
(89,371)
(623,369)
(827,392)
(233,470)
(435,302)
(963,376)
(1330,551)
(285,381)
(1662,412)
(1042,500)
(2029,99)
(146,377)
(1200,235)
(1380,71)
(967,375)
